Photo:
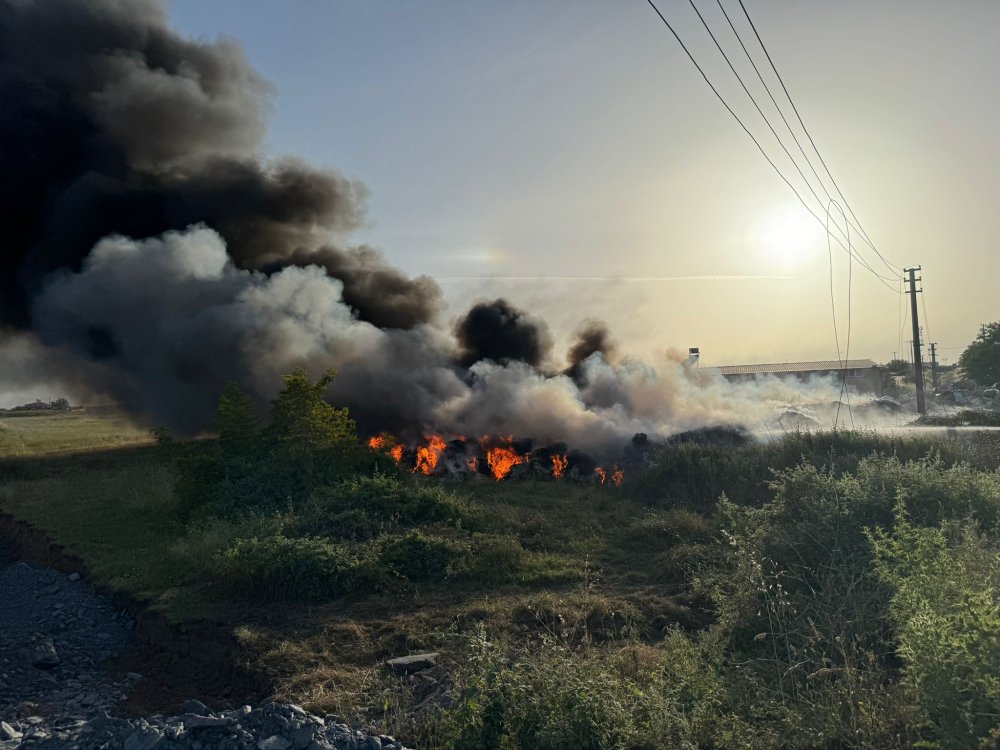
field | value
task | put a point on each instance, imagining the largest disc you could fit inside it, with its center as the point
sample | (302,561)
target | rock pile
(274,726)
(56,630)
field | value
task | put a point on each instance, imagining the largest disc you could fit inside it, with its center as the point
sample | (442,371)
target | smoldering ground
(152,252)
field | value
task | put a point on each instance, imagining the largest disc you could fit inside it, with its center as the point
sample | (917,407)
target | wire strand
(757,143)
(892,267)
(836,335)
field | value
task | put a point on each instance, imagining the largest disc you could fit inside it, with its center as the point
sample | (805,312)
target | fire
(380,442)
(440,454)
(428,455)
(502,459)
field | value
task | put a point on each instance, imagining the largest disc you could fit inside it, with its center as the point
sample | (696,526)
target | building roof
(830,365)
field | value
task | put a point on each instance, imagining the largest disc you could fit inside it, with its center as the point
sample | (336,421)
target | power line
(760,111)
(893,267)
(757,143)
(781,112)
(836,335)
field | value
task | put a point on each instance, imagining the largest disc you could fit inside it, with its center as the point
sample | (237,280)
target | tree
(981,359)
(302,422)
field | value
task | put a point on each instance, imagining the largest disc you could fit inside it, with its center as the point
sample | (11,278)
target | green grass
(39,433)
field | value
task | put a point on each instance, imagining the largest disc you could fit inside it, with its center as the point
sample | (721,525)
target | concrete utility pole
(918,365)
(934,375)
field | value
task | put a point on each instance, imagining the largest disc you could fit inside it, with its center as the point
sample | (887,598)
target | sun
(788,235)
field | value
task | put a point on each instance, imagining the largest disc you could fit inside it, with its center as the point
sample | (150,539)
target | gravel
(55,633)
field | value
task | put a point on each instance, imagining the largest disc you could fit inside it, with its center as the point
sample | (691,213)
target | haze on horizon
(575,139)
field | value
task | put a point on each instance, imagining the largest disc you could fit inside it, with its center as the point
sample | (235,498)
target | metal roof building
(862,375)
(795,368)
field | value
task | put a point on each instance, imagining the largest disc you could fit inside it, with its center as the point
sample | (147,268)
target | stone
(42,653)
(302,736)
(8,732)
(196,707)
(374,743)
(193,722)
(412,663)
(74,576)
(274,742)
(143,739)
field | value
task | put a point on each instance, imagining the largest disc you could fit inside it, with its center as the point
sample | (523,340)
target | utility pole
(918,365)
(934,375)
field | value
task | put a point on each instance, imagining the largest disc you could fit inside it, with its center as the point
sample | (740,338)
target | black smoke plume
(498,332)
(151,254)
(112,123)
(590,337)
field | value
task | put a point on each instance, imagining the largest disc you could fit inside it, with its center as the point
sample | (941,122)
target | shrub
(308,444)
(946,610)
(557,698)
(496,559)
(420,557)
(695,475)
(364,506)
(302,568)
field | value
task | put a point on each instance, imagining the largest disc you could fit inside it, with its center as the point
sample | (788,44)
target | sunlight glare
(788,235)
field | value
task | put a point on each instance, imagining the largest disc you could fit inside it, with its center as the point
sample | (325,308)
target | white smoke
(173,319)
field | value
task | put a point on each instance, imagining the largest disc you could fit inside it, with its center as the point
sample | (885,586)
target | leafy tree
(237,423)
(302,420)
(981,359)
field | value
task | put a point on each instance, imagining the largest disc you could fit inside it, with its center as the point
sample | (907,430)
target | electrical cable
(893,267)
(767,122)
(757,143)
(845,361)
(781,113)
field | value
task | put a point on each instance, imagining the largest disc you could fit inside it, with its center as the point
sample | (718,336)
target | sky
(567,156)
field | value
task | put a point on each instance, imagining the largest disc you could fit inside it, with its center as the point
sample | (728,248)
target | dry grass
(43,433)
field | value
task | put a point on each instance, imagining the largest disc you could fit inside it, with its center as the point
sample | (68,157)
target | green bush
(301,568)
(496,559)
(946,611)
(802,612)
(695,475)
(420,557)
(307,444)
(554,698)
(365,506)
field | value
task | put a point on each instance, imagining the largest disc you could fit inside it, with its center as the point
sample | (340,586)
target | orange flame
(618,476)
(559,464)
(397,453)
(473,463)
(379,442)
(601,474)
(428,455)
(502,459)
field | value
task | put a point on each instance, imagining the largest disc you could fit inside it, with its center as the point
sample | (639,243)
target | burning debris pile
(504,458)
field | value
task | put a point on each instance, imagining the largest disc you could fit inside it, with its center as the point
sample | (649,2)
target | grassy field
(760,596)
(38,433)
